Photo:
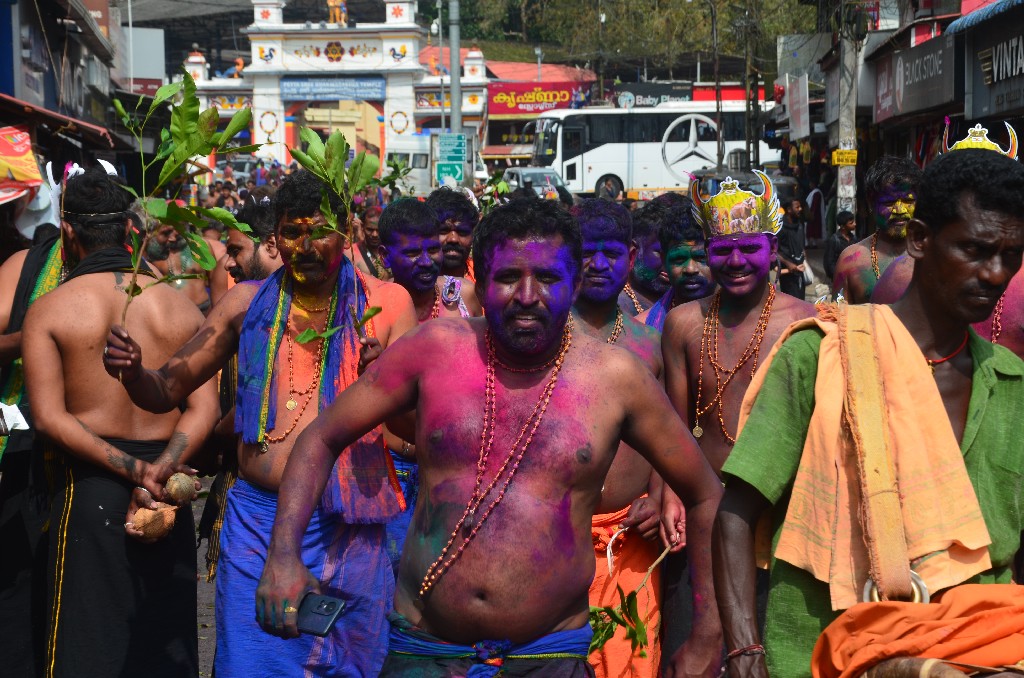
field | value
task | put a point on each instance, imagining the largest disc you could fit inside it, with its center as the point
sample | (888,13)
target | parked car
(242,166)
(540,179)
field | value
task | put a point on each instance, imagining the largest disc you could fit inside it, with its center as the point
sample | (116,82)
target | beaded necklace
(997,320)
(932,362)
(511,464)
(293,394)
(709,346)
(435,309)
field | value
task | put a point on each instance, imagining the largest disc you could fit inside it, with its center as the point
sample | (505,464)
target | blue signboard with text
(326,88)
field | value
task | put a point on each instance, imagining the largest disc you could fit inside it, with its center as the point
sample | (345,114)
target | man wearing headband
(106,586)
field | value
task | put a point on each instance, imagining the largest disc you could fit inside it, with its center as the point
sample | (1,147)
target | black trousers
(793,284)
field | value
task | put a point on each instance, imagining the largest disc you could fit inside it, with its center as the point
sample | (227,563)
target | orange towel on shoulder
(633,555)
(979,624)
(947,540)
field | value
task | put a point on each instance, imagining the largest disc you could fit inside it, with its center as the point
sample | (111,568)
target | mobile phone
(317,613)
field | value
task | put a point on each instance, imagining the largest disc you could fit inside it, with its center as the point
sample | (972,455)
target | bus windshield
(545,143)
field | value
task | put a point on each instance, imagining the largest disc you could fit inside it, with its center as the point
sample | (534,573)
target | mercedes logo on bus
(691,146)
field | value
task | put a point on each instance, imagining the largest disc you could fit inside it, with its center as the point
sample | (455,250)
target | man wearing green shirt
(966,242)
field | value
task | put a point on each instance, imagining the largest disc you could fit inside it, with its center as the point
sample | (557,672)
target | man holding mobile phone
(516,428)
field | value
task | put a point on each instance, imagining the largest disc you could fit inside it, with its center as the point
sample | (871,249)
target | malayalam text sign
(519,99)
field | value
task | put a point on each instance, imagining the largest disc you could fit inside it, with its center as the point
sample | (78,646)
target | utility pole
(846,197)
(746,82)
(440,55)
(455,49)
(600,50)
(720,145)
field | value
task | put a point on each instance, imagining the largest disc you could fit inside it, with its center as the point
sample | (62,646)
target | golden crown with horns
(733,210)
(977,137)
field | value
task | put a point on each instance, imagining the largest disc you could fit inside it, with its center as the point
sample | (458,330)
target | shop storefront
(915,89)
(995,63)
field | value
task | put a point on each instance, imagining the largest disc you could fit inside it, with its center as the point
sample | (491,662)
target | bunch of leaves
(492,194)
(605,621)
(329,161)
(191,133)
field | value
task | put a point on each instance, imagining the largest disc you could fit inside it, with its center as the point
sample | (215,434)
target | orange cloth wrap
(633,556)
(979,624)
(947,540)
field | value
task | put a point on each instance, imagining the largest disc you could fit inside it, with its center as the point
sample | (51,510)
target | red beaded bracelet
(747,651)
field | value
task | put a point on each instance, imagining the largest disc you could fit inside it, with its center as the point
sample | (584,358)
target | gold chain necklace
(309,309)
(309,391)
(632,297)
(874,255)
(511,464)
(709,346)
(617,329)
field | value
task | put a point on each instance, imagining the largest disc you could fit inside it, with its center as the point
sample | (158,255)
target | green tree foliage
(661,31)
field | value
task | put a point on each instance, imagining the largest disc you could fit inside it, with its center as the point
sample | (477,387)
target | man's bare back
(70,346)
(684,329)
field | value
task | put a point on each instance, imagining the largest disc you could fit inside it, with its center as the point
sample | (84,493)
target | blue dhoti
(349,561)
(414,653)
(408,478)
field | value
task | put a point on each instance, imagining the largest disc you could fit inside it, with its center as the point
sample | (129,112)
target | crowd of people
(477,429)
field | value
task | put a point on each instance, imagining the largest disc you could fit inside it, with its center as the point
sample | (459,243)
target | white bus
(644,151)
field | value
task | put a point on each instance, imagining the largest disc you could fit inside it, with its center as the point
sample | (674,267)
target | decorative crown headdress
(734,210)
(977,137)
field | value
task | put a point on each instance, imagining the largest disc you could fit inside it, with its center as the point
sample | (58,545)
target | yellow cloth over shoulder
(947,540)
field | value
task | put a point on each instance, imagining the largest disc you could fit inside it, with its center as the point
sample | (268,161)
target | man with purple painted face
(709,343)
(515,433)
(631,496)
(890,187)
(647,279)
(411,247)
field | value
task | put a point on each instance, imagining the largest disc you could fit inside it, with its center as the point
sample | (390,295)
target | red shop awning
(61,123)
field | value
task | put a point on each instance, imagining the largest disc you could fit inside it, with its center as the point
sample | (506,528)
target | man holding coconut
(515,432)
(118,607)
(282,384)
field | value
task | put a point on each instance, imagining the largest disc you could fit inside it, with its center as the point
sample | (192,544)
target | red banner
(527,99)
